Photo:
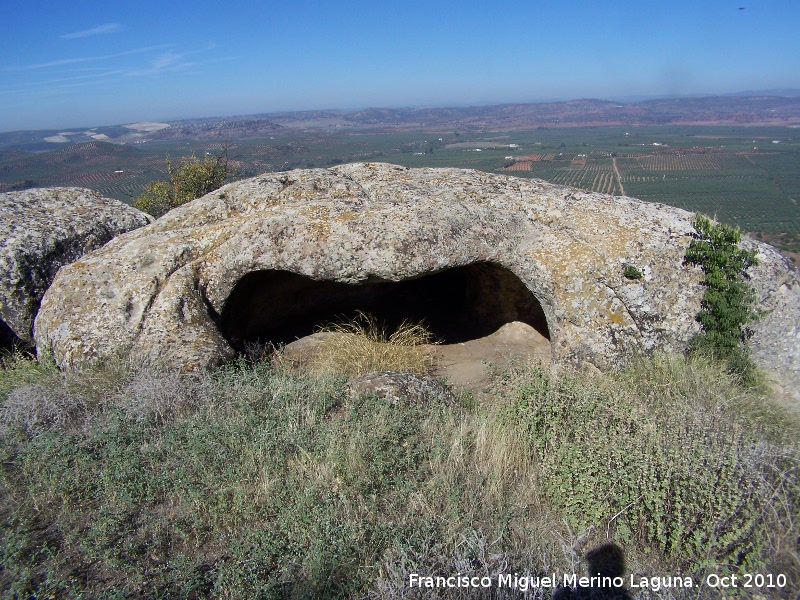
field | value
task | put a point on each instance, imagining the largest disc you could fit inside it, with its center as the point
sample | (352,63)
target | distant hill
(713,110)
(789,92)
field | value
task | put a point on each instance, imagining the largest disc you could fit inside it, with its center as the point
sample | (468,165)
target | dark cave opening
(9,341)
(457,305)
(7,337)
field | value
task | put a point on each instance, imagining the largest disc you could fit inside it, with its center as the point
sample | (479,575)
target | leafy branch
(728,302)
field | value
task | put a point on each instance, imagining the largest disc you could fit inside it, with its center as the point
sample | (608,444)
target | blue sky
(88,63)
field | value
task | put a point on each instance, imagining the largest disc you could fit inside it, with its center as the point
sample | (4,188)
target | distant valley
(714,110)
(737,157)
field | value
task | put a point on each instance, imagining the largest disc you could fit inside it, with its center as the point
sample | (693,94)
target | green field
(739,174)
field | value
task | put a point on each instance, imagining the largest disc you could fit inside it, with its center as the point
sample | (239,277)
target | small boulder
(397,387)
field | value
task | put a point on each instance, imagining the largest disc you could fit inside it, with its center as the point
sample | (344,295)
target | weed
(632,272)
(364,345)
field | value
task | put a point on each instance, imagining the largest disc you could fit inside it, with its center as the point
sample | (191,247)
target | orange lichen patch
(342,193)
(617,318)
(567,258)
(603,234)
(347,216)
(317,221)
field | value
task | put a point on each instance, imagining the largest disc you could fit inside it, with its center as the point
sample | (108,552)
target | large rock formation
(270,258)
(40,231)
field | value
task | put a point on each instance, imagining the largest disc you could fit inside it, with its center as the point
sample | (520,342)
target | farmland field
(747,176)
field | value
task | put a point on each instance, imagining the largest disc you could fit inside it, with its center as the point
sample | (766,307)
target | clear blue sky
(89,62)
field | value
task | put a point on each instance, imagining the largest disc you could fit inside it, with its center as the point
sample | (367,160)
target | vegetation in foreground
(255,482)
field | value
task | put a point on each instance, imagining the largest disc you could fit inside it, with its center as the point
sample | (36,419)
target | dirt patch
(467,364)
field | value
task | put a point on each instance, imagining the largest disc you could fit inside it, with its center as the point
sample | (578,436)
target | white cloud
(60,83)
(173,61)
(71,61)
(99,30)
(166,60)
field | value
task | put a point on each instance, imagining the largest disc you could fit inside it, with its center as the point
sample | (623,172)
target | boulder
(400,387)
(776,335)
(273,257)
(41,231)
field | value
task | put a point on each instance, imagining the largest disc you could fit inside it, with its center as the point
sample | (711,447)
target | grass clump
(365,345)
(255,482)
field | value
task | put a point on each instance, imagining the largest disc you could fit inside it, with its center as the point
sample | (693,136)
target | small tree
(727,305)
(157,198)
(191,180)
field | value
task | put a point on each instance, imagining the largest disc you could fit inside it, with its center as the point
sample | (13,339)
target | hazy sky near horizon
(90,63)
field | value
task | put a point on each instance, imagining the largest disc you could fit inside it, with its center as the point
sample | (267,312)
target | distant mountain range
(780,109)
(787,92)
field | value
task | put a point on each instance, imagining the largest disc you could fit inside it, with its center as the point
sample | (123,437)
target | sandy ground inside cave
(464,365)
(467,364)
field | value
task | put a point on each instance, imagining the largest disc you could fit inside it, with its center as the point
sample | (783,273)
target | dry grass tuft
(363,345)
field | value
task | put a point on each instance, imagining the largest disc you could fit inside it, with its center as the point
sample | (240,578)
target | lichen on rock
(43,229)
(168,292)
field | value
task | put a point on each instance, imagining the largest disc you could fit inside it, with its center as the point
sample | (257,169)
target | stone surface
(776,335)
(396,387)
(42,230)
(281,247)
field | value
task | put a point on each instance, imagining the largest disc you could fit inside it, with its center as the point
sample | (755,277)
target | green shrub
(727,304)
(681,465)
(632,272)
(191,180)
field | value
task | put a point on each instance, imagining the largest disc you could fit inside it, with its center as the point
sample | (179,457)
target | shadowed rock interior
(8,339)
(456,305)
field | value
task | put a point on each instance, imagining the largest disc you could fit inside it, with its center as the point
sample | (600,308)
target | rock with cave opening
(273,257)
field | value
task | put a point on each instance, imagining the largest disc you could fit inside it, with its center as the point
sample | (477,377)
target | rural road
(619,179)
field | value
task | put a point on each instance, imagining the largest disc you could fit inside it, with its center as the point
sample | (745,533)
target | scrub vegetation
(255,481)
(727,306)
(194,178)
